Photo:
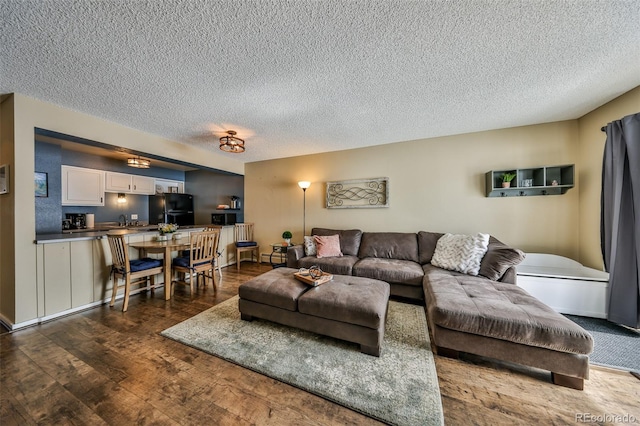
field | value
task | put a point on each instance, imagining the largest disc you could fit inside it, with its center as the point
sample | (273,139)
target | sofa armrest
(294,253)
(509,276)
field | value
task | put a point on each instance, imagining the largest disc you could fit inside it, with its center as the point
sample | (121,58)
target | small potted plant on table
(507,178)
(166,230)
(287,237)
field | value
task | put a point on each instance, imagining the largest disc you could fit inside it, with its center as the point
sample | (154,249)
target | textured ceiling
(301,77)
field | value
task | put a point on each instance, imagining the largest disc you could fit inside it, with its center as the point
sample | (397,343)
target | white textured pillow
(461,253)
(309,246)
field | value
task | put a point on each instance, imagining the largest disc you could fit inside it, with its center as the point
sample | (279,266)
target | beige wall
(7,254)
(30,113)
(591,148)
(438,185)
(435,185)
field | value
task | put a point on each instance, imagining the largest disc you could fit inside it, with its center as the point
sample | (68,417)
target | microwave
(223,219)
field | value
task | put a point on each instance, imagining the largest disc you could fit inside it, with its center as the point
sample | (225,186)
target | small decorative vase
(506,184)
(162,237)
(287,241)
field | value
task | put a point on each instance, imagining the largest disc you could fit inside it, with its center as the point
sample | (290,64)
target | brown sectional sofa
(395,257)
(486,314)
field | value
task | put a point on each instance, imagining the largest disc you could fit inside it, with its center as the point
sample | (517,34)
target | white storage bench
(565,285)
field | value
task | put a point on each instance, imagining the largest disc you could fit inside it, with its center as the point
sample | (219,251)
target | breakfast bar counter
(73,267)
(92,234)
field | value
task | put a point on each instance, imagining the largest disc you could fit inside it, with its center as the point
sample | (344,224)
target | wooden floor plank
(106,366)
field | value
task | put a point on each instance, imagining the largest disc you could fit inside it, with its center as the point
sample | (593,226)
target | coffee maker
(78,220)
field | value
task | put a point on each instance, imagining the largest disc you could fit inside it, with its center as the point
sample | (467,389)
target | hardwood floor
(103,366)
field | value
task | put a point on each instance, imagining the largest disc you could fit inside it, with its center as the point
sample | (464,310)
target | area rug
(613,345)
(400,387)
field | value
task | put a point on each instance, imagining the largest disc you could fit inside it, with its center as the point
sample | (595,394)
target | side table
(278,257)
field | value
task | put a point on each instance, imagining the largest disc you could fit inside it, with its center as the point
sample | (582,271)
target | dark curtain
(620,225)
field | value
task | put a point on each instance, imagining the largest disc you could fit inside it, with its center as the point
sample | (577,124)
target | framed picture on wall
(41,185)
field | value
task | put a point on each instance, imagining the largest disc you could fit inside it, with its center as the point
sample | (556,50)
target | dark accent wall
(210,189)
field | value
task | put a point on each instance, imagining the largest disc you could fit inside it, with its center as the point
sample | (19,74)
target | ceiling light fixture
(231,143)
(139,162)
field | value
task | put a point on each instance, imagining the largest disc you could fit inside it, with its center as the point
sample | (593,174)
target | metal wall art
(358,194)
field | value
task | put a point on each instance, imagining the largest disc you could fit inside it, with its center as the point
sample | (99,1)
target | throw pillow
(460,253)
(498,259)
(309,246)
(327,246)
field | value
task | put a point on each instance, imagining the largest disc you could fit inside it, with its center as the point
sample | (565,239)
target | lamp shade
(304,184)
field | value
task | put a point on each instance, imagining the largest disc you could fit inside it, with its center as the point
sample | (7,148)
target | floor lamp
(304,185)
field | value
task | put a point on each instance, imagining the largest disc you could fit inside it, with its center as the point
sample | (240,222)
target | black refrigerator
(171,208)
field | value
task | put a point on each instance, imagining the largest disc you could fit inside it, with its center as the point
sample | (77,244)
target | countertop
(97,233)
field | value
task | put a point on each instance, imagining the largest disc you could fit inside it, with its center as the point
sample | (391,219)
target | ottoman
(348,308)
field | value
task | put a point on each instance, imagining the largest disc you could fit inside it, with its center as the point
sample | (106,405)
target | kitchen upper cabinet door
(82,187)
(129,184)
(117,182)
(143,185)
(57,278)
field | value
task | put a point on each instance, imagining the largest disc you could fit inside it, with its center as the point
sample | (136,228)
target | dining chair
(130,271)
(244,242)
(218,251)
(199,261)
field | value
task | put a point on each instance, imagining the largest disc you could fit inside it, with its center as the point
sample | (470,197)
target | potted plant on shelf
(507,178)
(287,237)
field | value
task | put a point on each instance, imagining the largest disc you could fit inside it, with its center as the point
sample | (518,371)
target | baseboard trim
(40,320)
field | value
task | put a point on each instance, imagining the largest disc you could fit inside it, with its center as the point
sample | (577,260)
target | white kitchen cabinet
(163,185)
(129,184)
(66,272)
(81,273)
(143,185)
(57,278)
(82,187)
(117,182)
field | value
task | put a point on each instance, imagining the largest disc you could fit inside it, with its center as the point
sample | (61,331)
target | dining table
(165,248)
